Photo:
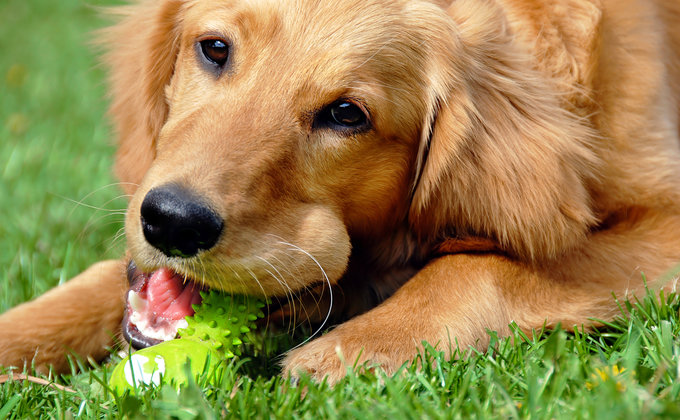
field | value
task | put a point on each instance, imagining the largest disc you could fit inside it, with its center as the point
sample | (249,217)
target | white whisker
(252,274)
(330,290)
(290,294)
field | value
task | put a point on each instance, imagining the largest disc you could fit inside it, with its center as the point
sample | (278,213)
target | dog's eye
(215,51)
(343,115)
(347,114)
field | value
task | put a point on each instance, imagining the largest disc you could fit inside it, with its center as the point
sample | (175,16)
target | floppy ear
(501,157)
(142,49)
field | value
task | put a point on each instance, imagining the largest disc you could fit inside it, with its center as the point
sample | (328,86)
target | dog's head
(262,139)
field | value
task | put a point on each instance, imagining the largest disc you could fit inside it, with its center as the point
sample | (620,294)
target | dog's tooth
(182,323)
(137,303)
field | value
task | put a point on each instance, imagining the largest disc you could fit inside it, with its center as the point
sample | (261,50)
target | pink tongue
(169,296)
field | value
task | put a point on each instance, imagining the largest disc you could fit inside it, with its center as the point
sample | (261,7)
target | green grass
(60,212)
(55,148)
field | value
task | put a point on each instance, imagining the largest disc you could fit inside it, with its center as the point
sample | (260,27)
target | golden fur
(523,163)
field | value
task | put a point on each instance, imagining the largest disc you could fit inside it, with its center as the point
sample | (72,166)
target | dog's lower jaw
(156,305)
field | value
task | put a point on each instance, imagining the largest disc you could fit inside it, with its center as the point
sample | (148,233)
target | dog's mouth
(157,304)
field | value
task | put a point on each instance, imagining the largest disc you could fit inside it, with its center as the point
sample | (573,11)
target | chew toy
(213,335)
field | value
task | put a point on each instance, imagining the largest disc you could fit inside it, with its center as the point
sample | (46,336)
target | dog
(424,170)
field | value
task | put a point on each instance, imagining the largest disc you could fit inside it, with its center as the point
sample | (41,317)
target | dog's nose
(177,222)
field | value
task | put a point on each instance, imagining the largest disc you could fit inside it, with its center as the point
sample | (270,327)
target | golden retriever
(428,169)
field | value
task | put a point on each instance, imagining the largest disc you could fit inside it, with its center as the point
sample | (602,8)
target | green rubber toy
(214,334)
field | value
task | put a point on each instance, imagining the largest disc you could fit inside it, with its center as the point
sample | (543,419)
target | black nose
(178,223)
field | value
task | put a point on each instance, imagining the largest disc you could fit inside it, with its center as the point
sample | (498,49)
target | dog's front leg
(80,317)
(455,299)
(451,302)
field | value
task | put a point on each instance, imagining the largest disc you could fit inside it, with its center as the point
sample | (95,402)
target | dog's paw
(342,351)
(321,358)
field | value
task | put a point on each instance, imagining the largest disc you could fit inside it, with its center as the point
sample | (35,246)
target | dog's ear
(502,157)
(142,49)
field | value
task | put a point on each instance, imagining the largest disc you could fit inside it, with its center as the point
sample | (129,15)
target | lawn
(61,211)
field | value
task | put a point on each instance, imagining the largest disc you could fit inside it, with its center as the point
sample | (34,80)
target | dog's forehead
(322,18)
(303,29)
(322,48)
